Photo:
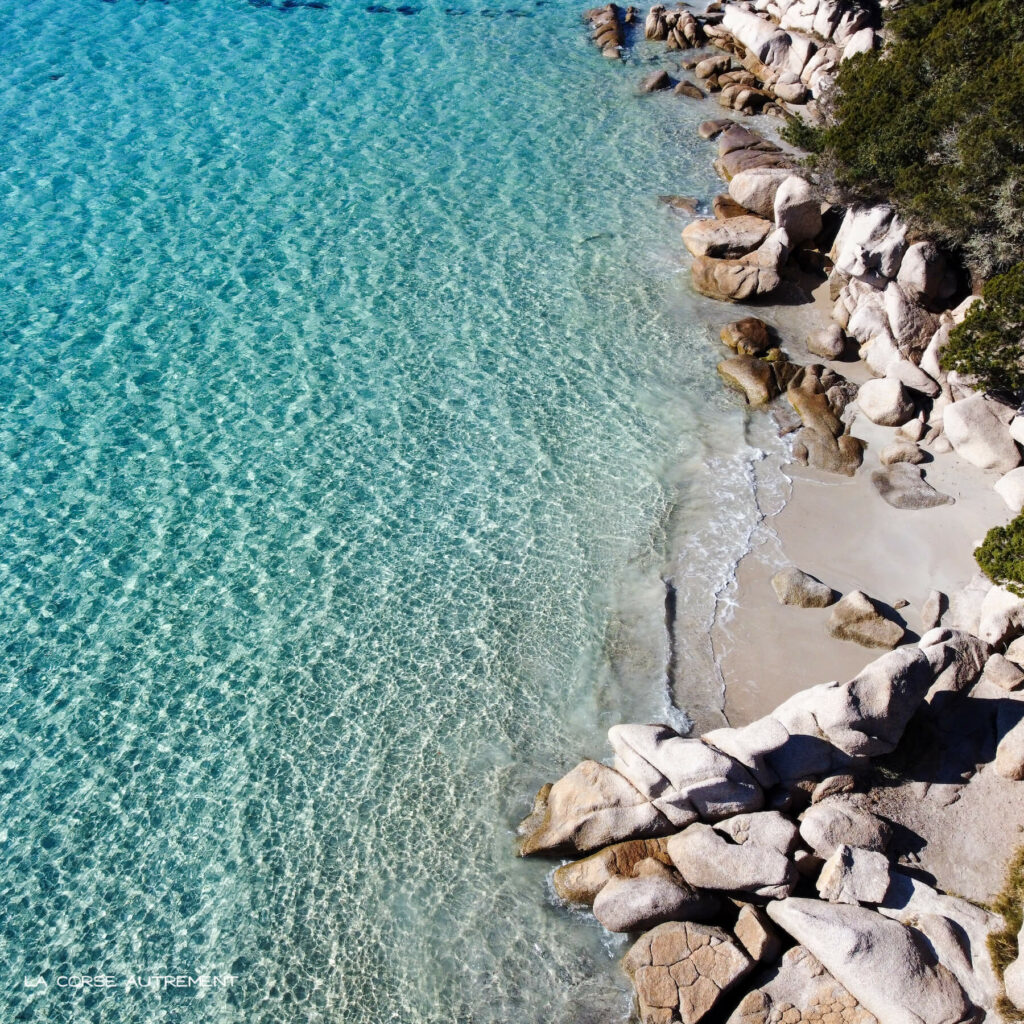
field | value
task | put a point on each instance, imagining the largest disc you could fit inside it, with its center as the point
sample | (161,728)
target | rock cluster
(766,847)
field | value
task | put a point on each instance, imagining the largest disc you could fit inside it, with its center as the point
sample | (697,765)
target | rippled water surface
(349,395)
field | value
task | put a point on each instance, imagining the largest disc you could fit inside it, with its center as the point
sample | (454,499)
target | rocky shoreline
(812,864)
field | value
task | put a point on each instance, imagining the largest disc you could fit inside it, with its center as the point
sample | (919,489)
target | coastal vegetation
(989,345)
(1001,555)
(934,123)
(1002,944)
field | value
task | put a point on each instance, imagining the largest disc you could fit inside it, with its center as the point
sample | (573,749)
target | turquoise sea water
(350,403)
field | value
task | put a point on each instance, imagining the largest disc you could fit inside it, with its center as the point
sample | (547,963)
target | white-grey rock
(707,860)
(1002,616)
(636,904)
(965,605)
(1017,429)
(886,401)
(956,659)
(933,609)
(915,378)
(834,822)
(913,430)
(978,429)
(886,966)
(1001,672)
(795,587)
(924,274)
(1010,487)
(768,829)
(1010,753)
(755,189)
(933,353)
(828,727)
(683,778)
(961,944)
(725,239)
(853,875)
(798,208)
(871,243)
(860,42)
(912,326)
(828,342)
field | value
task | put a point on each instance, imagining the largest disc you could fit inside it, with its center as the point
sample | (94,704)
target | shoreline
(802,862)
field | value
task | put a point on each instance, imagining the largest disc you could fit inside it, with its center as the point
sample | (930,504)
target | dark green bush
(989,344)
(1001,555)
(935,122)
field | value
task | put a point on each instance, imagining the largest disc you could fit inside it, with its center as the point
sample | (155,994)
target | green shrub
(1001,555)
(935,123)
(989,344)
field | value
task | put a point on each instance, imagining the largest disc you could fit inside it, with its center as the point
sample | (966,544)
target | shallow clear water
(350,401)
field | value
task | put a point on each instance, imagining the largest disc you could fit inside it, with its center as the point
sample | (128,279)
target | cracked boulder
(680,971)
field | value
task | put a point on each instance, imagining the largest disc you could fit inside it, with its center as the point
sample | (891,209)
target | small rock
(680,971)
(913,430)
(687,204)
(1001,617)
(793,586)
(886,401)
(860,619)
(933,609)
(755,932)
(1002,672)
(831,823)
(733,280)
(713,66)
(749,336)
(903,485)
(901,451)
(768,829)
(828,342)
(853,875)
